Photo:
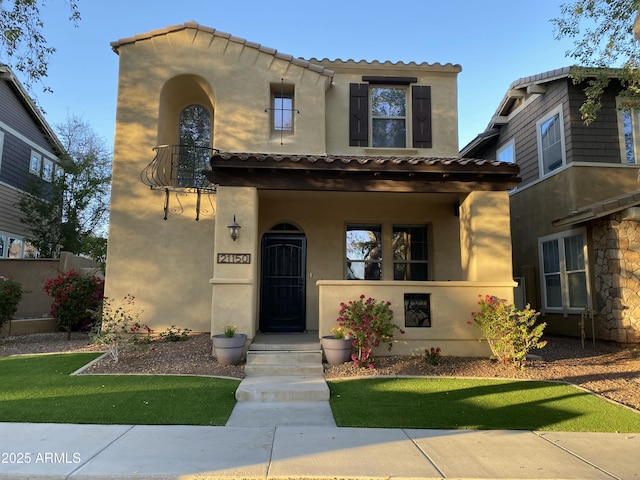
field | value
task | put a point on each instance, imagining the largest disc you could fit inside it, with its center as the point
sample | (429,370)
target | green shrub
(74,297)
(510,333)
(10,296)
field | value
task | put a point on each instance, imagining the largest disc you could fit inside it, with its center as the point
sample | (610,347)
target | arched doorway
(283,280)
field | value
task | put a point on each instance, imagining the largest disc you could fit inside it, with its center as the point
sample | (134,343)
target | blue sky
(495,42)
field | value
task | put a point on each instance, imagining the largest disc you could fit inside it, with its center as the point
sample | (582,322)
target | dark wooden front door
(283,289)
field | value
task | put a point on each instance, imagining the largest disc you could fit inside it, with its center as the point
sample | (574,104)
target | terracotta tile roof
(361,173)
(395,163)
(216,33)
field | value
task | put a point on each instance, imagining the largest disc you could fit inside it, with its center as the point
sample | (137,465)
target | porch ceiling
(361,174)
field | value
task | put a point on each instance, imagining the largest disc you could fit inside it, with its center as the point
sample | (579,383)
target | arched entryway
(283,280)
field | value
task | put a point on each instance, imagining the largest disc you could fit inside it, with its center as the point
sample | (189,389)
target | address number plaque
(234,258)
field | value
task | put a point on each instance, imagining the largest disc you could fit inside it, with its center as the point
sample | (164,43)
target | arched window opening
(195,147)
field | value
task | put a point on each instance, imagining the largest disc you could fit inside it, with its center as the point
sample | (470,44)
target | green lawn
(40,389)
(448,403)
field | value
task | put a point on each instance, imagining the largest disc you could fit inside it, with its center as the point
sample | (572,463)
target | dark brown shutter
(421,107)
(359,115)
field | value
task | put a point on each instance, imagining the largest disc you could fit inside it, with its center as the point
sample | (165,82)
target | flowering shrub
(433,356)
(118,327)
(369,323)
(10,296)
(510,333)
(74,296)
(230,330)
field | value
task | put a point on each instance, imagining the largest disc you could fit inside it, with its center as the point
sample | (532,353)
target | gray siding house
(575,215)
(29,152)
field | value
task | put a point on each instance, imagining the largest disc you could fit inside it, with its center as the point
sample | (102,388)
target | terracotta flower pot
(229,350)
(336,350)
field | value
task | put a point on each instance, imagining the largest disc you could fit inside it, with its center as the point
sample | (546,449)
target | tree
(22,38)
(71,213)
(604,47)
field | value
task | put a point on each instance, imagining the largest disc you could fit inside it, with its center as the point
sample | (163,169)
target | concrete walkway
(60,451)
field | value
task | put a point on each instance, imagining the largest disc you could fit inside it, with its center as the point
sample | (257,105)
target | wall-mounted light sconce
(234,229)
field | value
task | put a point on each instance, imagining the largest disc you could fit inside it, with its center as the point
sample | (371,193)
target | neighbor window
(507,152)
(551,141)
(389,117)
(564,271)
(47,170)
(364,252)
(35,163)
(410,252)
(629,132)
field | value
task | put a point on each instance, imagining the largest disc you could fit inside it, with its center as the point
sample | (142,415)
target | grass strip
(39,389)
(475,404)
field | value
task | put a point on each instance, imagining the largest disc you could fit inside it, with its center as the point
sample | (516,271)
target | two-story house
(258,189)
(30,151)
(574,216)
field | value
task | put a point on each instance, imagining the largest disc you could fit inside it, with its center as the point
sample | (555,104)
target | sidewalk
(61,451)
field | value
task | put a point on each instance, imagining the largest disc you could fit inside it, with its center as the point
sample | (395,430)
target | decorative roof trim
(115,46)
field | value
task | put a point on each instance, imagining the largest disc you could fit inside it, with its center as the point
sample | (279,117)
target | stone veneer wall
(616,245)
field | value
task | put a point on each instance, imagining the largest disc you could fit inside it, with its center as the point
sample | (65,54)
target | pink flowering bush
(510,333)
(74,296)
(369,323)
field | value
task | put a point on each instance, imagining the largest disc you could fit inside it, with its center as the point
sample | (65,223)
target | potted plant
(228,347)
(337,347)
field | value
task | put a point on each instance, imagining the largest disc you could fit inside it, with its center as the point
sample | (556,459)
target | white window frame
(47,170)
(38,167)
(510,145)
(1,147)
(552,113)
(635,131)
(564,274)
(59,172)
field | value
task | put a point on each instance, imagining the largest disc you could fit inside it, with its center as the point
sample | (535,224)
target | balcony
(179,167)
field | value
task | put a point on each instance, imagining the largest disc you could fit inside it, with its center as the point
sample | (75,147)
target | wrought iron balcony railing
(179,167)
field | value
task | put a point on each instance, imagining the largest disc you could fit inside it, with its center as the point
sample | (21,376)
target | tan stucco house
(343,176)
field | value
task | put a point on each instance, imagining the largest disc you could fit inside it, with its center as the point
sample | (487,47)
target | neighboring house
(575,216)
(29,152)
(325,180)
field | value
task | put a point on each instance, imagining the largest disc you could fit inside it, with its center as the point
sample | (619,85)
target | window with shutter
(379,114)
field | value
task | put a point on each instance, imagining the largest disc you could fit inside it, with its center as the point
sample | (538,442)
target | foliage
(369,323)
(10,296)
(22,37)
(511,333)
(71,212)
(118,327)
(338,333)
(74,297)
(433,356)
(603,39)
(173,334)
(230,330)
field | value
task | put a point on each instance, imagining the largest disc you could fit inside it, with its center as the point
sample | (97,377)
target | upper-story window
(629,132)
(35,163)
(388,112)
(507,152)
(389,117)
(551,151)
(282,107)
(195,144)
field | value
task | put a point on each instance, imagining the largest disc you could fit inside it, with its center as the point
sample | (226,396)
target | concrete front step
(275,363)
(312,388)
